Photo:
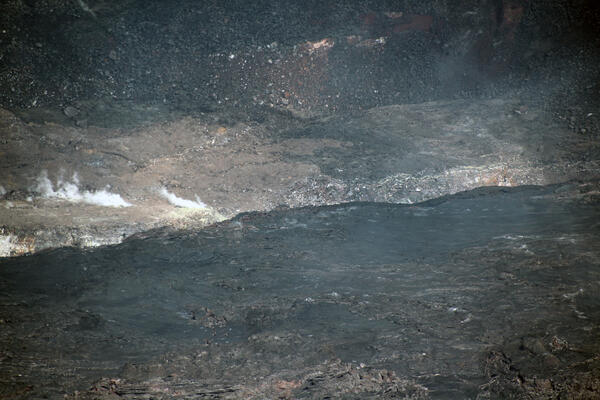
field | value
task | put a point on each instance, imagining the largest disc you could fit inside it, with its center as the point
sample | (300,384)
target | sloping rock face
(312,57)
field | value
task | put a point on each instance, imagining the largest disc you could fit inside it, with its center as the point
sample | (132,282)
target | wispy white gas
(70,191)
(179,202)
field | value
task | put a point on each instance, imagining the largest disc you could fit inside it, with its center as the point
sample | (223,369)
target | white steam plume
(70,191)
(179,202)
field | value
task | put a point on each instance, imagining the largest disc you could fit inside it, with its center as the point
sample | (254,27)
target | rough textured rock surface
(313,56)
(486,294)
(134,133)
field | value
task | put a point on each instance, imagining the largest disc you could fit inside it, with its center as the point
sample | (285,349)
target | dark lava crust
(487,294)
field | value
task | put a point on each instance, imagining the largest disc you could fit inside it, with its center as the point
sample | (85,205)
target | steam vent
(285,199)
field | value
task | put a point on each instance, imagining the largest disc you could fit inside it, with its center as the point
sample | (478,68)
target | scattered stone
(551,361)
(70,111)
(558,344)
(534,345)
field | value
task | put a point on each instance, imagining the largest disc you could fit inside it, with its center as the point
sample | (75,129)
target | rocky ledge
(65,185)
